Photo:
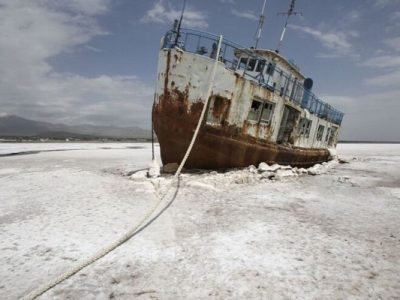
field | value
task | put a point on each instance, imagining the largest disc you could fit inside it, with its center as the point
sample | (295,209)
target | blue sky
(94,61)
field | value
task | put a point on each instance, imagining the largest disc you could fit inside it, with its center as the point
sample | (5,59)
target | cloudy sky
(94,61)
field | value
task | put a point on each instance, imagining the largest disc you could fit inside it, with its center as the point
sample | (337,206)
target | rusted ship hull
(225,147)
(260,109)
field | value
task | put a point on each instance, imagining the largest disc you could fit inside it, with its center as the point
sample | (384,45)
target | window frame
(271,110)
(270,69)
(305,127)
(259,119)
(328,133)
(261,63)
(320,132)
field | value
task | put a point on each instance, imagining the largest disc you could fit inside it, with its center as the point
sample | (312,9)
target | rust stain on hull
(216,148)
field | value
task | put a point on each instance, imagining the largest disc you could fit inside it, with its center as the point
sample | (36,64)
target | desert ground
(333,233)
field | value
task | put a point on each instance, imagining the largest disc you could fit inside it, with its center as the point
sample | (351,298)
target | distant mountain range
(15,126)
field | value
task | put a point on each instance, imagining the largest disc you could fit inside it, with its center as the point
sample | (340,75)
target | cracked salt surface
(265,232)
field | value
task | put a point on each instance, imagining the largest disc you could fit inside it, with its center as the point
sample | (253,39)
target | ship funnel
(308,84)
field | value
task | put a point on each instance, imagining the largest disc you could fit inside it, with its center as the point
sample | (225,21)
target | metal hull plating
(218,148)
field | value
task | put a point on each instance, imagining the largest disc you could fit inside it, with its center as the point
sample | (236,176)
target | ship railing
(253,67)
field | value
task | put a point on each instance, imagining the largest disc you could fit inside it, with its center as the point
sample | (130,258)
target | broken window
(261,111)
(305,127)
(255,110)
(320,132)
(267,112)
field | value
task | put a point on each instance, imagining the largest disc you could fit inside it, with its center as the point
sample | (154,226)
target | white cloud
(93,49)
(340,102)
(247,14)
(363,121)
(394,43)
(86,7)
(162,12)
(385,80)
(349,19)
(384,61)
(389,67)
(337,42)
(35,31)
(392,21)
(385,3)
(395,16)
(113,99)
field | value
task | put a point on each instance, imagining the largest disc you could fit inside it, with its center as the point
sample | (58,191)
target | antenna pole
(260,24)
(288,14)
(282,35)
(180,22)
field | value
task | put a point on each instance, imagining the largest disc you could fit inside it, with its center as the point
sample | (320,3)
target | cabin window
(299,92)
(294,90)
(282,83)
(261,111)
(260,66)
(267,112)
(242,63)
(255,110)
(289,86)
(320,132)
(328,133)
(270,69)
(332,136)
(305,127)
(250,66)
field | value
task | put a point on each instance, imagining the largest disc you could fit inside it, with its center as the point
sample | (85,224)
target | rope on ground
(142,224)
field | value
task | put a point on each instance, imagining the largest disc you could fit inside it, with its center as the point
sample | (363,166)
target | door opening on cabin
(289,120)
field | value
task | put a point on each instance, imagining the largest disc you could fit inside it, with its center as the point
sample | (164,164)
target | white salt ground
(328,232)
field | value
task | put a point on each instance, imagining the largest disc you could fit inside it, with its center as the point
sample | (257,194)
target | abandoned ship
(261,107)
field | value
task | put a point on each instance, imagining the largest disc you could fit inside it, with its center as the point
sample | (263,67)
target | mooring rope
(203,112)
(152,129)
(142,224)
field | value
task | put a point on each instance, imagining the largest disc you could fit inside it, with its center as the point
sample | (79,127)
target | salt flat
(227,235)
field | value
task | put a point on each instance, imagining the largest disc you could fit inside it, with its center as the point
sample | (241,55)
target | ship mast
(288,14)
(260,24)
